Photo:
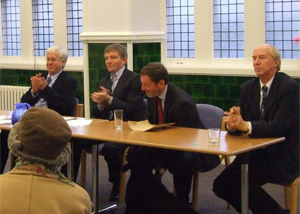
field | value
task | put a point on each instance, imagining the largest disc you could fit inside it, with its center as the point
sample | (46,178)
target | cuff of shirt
(250,128)
(109,102)
(34,95)
(99,107)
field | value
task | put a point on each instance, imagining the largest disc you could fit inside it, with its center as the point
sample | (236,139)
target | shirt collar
(54,77)
(268,83)
(163,95)
(118,74)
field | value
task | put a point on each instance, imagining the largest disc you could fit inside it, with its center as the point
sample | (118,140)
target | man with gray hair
(55,89)
(268,107)
(40,141)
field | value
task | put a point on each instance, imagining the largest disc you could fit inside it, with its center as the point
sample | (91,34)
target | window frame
(204,62)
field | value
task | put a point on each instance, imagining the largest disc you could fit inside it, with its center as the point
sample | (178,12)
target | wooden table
(177,138)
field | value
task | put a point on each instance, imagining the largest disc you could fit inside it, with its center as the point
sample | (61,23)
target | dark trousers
(181,164)
(228,184)
(113,154)
(78,145)
(3,150)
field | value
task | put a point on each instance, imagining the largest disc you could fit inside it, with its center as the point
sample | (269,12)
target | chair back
(210,115)
(74,108)
(79,110)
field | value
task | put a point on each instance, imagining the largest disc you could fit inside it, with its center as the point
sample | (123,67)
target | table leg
(244,188)
(245,184)
(95,183)
(95,172)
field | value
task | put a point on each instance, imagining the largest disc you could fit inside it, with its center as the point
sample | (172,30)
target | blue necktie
(264,98)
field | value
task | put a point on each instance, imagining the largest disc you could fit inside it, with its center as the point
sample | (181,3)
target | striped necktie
(48,80)
(263,103)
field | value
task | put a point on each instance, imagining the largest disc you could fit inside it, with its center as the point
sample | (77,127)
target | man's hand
(100,97)
(38,82)
(105,90)
(234,120)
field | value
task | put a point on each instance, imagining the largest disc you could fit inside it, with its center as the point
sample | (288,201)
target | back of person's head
(156,71)
(62,53)
(41,136)
(276,55)
(121,49)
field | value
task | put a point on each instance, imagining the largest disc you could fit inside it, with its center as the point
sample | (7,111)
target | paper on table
(79,122)
(145,125)
(5,119)
(5,122)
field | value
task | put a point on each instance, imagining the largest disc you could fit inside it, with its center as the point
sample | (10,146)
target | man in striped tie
(268,107)
(54,89)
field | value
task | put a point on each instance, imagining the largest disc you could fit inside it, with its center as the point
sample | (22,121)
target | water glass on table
(118,117)
(214,136)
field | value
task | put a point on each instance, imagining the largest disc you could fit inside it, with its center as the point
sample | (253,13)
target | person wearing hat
(40,141)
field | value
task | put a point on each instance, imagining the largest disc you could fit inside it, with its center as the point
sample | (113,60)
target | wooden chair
(291,192)
(123,178)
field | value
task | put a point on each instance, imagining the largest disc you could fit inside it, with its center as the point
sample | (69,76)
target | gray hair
(276,55)
(63,55)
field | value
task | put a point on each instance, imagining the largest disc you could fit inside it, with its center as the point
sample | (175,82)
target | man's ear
(162,82)
(276,63)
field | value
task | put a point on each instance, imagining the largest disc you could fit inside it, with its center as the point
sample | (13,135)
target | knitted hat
(41,135)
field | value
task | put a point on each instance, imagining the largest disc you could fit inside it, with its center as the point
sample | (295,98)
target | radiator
(9,95)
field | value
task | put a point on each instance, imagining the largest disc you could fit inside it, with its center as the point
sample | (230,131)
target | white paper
(79,122)
(5,117)
(5,122)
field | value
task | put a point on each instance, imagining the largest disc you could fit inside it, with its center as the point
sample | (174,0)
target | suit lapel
(57,81)
(255,101)
(272,94)
(168,103)
(122,79)
(107,83)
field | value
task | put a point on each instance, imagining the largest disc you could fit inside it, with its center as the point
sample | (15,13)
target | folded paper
(145,125)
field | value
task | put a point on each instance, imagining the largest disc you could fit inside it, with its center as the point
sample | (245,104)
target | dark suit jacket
(128,95)
(60,98)
(181,109)
(281,120)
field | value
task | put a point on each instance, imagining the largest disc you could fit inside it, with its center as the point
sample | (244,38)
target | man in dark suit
(168,103)
(271,112)
(55,90)
(121,89)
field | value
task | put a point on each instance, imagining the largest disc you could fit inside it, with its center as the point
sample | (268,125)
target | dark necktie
(160,111)
(109,85)
(48,80)
(263,103)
